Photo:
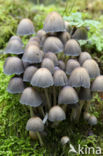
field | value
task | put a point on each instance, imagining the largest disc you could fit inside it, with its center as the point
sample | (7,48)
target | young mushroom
(35,124)
(61,64)
(65,140)
(28,73)
(48,63)
(92,120)
(16,38)
(13,65)
(25,27)
(64,37)
(80,34)
(83,57)
(71,65)
(54,23)
(86,116)
(52,56)
(41,33)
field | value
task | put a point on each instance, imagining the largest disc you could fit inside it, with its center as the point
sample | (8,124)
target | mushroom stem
(54,93)
(87,105)
(73,114)
(40,139)
(31,112)
(41,110)
(79,110)
(47,98)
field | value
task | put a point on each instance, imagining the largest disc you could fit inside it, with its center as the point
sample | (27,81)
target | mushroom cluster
(52,74)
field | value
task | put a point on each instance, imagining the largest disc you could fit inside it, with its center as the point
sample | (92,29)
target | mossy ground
(14,139)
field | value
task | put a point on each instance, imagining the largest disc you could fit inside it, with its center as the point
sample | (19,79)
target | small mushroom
(92,68)
(92,120)
(83,57)
(64,37)
(80,34)
(25,27)
(48,63)
(54,23)
(28,73)
(16,38)
(97,85)
(61,64)
(68,27)
(86,116)
(41,33)
(65,140)
(32,54)
(35,124)
(56,114)
(13,65)
(53,44)
(79,78)
(72,48)
(71,65)
(52,56)
(15,85)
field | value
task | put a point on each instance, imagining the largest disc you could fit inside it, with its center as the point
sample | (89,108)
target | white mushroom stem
(47,98)
(40,139)
(54,95)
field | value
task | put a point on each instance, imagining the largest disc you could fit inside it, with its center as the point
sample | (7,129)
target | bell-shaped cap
(65,140)
(72,48)
(30,97)
(60,78)
(68,95)
(41,33)
(71,65)
(85,94)
(53,44)
(83,57)
(28,73)
(80,34)
(32,54)
(56,113)
(97,85)
(54,23)
(92,68)
(61,64)
(13,65)
(15,85)
(32,43)
(35,38)
(68,27)
(79,78)
(53,57)
(48,63)
(35,124)
(92,120)
(16,38)
(14,47)
(64,37)
(86,116)
(42,78)
(25,27)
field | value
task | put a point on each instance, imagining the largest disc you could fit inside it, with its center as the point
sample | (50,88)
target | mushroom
(64,37)
(53,44)
(54,23)
(34,43)
(13,65)
(71,65)
(34,38)
(79,78)
(48,63)
(68,27)
(92,120)
(41,33)
(61,64)
(56,114)
(28,73)
(25,27)
(80,34)
(92,68)
(32,54)
(16,38)
(43,79)
(72,48)
(83,57)
(52,56)
(14,47)
(65,140)
(86,116)
(15,85)
(35,124)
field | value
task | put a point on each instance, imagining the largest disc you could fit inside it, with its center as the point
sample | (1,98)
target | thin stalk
(40,139)
(73,114)
(41,110)
(31,112)
(47,98)
(80,109)
(54,95)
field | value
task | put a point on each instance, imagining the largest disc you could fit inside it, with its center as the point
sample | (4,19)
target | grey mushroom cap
(14,47)
(54,23)
(41,33)
(92,120)
(68,27)
(79,78)
(80,34)
(83,57)
(61,64)
(92,68)
(85,94)
(97,85)
(86,116)
(65,140)
(48,63)
(72,48)
(52,56)
(16,38)
(53,44)
(35,38)
(71,65)
(25,27)
(42,78)
(15,85)
(60,78)
(32,43)
(28,73)
(30,97)
(35,124)
(68,95)
(13,65)
(56,113)
(26,64)
(32,54)
(64,37)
